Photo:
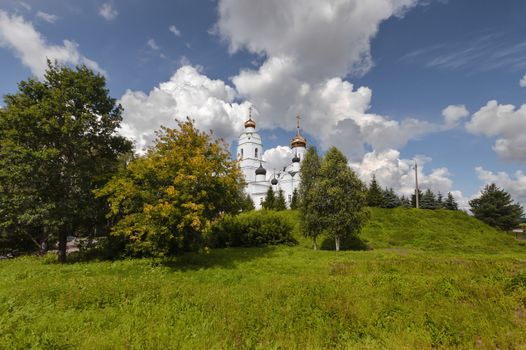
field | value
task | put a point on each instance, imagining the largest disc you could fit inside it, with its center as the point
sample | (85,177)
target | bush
(251,229)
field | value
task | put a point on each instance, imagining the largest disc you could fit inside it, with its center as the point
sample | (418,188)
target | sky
(388,82)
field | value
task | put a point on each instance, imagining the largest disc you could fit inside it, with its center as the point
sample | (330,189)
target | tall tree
(450,203)
(342,198)
(58,144)
(391,200)
(269,202)
(413,198)
(294,202)
(375,195)
(440,201)
(164,201)
(310,208)
(247,204)
(428,200)
(405,202)
(496,208)
(279,202)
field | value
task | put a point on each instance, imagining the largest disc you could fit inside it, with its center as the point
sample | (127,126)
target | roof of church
(298,140)
(250,123)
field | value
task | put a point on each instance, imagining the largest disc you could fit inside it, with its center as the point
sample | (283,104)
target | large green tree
(165,201)
(496,208)
(450,203)
(375,195)
(428,200)
(279,201)
(342,198)
(58,144)
(309,203)
(269,202)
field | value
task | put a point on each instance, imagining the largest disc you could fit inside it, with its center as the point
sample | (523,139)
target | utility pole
(417,192)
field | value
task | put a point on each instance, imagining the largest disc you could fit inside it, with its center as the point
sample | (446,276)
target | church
(257,176)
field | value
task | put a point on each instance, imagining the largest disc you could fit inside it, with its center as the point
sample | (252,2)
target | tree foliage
(428,200)
(450,203)
(496,208)
(375,195)
(279,201)
(165,201)
(269,202)
(310,203)
(295,200)
(341,197)
(390,200)
(57,145)
(247,204)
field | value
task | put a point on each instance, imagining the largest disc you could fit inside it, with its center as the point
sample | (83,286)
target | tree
(391,200)
(294,202)
(375,195)
(247,204)
(309,204)
(342,198)
(58,144)
(450,203)
(440,201)
(496,208)
(405,202)
(279,202)
(413,198)
(269,202)
(165,201)
(428,200)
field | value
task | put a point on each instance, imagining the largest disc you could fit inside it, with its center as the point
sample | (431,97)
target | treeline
(387,198)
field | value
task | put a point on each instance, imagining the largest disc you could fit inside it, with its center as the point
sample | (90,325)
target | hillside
(428,230)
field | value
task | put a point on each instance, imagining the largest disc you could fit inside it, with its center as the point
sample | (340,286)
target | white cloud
(174,30)
(47,17)
(522,82)
(108,12)
(453,114)
(515,185)
(152,44)
(188,93)
(278,157)
(507,124)
(31,47)
(25,5)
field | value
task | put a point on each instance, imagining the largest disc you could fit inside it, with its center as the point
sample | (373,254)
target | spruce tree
(294,202)
(440,201)
(269,202)
(279,202)
(496,208)
(375,195)
(247,203)
(428,200)
(413,198)
(405,202)
(391,200)
(450,203)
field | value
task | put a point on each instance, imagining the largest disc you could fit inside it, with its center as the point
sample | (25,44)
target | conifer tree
(405,202)
(309,203)
(294,202)
(428,200)
(496,208)
(391,200)
(413,198)
(247,203)
(440,201)
(269,202)
(375,195)
(450,203)
(279,202)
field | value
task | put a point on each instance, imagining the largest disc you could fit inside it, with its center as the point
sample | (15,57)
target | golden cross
(250,112)
(298,121)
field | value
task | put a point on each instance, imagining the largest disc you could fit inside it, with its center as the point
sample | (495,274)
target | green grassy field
(446,281)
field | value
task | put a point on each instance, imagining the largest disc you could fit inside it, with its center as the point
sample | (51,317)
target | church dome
(274,181)
(298,140)
(261,170)
(296,159)
(250,123)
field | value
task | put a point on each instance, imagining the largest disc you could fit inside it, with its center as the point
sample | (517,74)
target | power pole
(417,192)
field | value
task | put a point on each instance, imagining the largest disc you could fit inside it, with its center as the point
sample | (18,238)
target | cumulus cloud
(507,124)
(31,47)
(152,44)
(188,93)
(453,114)
(514,185)
(174,30)
(47,17)
(278,157)
(522,82)
(108,12)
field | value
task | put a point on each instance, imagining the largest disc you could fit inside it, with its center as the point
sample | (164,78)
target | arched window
(256,153)
(241,153)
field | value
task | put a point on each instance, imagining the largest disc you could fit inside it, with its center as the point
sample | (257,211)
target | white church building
(257,177)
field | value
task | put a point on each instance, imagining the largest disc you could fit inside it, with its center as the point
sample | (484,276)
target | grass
(405,293)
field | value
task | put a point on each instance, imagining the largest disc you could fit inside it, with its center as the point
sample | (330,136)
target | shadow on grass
(350,243)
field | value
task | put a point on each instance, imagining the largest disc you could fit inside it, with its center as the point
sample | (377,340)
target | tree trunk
(62,246)
(337,243)
(314,244)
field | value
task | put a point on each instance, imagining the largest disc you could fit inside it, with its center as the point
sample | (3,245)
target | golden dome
(298,140)
(250,123)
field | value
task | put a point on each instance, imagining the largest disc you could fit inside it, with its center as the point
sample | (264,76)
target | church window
(256,153)
(241,153)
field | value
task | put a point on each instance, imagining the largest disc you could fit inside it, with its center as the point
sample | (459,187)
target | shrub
(250,229)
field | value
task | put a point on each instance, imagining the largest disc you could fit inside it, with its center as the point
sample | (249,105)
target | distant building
(258,178)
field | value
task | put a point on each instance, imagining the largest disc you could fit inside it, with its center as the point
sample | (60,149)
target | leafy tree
(428,200)
(279,202)
(247,204)
(58,144)
(269,202)
(413,198)
(391,200)
(309,204)
(342,198)
(294,202)
(375,195)
(165,201)
(450,203)
(496,208)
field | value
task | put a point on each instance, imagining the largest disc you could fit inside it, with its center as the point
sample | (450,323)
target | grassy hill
(450,282)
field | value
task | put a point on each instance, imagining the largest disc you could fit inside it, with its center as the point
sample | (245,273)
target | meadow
(428,280)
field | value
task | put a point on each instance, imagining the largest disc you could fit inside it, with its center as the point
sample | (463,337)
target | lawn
(398,295)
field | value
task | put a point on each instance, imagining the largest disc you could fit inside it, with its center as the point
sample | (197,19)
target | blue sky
(407,60)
